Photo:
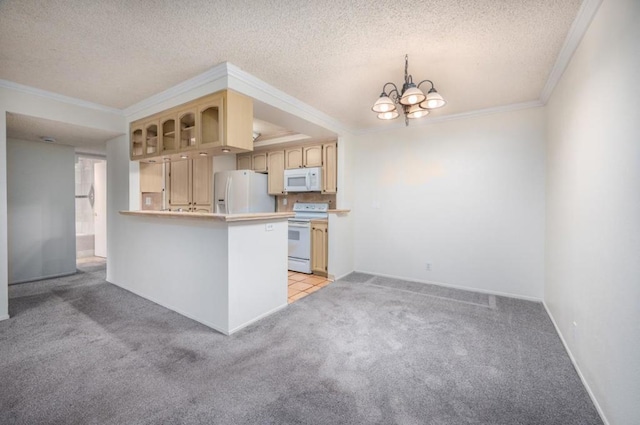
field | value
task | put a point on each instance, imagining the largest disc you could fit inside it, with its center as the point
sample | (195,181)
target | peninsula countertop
(210,216)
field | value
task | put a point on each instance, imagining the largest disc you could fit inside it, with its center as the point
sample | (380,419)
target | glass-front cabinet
(151,138)
(210,114)
(216,124)
(187,119)
(137,142)
(168,134)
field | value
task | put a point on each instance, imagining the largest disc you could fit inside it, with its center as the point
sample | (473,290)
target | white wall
(41,210)
(466,196)
(593,209)
(36,105)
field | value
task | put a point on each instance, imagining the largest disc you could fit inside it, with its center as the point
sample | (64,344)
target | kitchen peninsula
(225,271)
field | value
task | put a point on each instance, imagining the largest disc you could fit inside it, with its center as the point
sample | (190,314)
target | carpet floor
(364,350)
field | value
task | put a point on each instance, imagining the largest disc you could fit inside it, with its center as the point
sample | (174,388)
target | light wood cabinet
(210,114)
(329,168)
(202,185)
(190,185)
(151,177)
(259,162)
(244,162)
(180,185)
(319,247)
(187,126)
(168,138)
(312,156)
(293,158)
(137,140)
(275,179)
(151,141)
(218,123)
(302,157)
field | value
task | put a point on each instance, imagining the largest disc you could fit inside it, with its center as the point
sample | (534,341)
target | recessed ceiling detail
(86,140)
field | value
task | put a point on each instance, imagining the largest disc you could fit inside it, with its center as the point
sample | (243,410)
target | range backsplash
(292,198)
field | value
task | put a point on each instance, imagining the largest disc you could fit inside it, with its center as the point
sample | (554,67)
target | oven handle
(303,225)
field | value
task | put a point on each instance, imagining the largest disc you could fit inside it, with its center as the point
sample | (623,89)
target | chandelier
(411,99)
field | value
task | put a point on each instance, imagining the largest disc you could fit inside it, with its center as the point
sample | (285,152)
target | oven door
(300,239)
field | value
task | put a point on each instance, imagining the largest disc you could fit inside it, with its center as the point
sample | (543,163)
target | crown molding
(58,97)
(217,72)
(268,90)
(454,117)
(577,31)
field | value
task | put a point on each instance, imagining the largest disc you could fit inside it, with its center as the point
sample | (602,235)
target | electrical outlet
(269,227)
(428,267)
(284,201)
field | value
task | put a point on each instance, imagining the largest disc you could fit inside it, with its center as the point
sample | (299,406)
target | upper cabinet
(275,162)
(187,125)
(137,141)
(243,162)
(275,179)
(211,128)
(293,158)
(218,123)
(302,157)
(329,168)
(168,143)
(312,156)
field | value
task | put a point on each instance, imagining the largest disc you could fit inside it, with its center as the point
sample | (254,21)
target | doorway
(91,209)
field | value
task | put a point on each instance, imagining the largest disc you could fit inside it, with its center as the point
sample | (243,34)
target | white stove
(300,234)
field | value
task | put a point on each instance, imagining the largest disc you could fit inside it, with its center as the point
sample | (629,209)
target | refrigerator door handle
(226,197)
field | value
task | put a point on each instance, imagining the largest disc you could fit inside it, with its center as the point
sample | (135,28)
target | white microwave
(303,180)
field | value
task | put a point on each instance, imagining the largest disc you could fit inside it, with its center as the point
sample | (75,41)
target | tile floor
(301,285)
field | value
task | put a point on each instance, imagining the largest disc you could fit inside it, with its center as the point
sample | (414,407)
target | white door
(100,208)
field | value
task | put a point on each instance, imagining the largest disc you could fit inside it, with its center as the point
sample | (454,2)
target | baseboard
(262,316)
(576,367)
(5,317)
(463,288)
(51,276)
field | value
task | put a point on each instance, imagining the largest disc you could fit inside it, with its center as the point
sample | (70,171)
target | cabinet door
(187,124)
(319,252)
(137,141)
(168,134)
(150,177)
(211,122)
(293,158)
(243,162)
(260,162)
(151,138)
(202,184)
(180,185)
(276,172)
(312,156)
(330,168)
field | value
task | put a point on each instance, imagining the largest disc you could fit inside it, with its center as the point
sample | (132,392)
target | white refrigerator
(241,191)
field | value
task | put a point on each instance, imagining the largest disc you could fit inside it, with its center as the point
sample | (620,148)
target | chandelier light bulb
(416,111)
(383,104)
(388,115)
(434,100)
(411,96)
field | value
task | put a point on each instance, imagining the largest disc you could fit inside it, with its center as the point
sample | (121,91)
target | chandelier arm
(395,89)
(426,81)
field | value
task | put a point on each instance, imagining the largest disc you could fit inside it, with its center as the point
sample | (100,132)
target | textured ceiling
(86,140)
(334,55)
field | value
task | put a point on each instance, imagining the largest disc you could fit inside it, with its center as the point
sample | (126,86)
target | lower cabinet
(190,185)
(319,247)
